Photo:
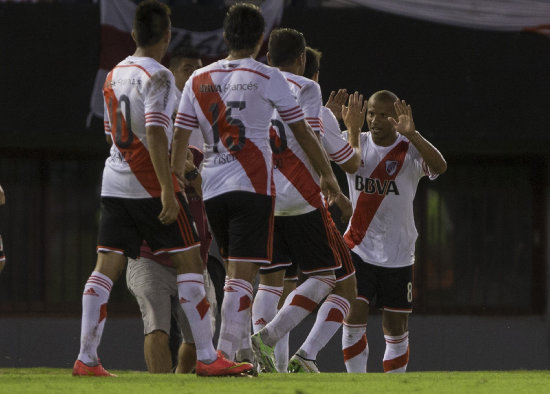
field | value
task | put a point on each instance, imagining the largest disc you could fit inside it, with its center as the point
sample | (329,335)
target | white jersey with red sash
(138,92)
(296,181)
(232,102)
(382,230)
(337,147)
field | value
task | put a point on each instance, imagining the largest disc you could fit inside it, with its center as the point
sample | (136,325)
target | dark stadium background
(483,98)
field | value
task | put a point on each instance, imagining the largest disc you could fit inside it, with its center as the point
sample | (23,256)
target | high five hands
(404,124)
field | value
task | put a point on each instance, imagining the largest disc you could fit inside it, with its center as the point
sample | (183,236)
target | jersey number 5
(229,141)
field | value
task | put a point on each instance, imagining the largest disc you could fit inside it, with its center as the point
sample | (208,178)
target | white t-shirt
(232,103)
(382,230)
(296,181)
(337,147)
(138,92)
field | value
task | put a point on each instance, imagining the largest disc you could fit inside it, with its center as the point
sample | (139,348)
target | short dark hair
(285,45)
(243,26)
(313,62)
(151,21)
(384,95)
(185,52)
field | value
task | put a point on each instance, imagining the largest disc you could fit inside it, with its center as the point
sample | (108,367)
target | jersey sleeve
(311,102)
(186,116)
(159,99)
(334,142)
(279,94)
(421,167)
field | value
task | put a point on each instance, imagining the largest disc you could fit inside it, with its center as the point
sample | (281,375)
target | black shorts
(125,223)
(390,289)
(242,223)
(306,240)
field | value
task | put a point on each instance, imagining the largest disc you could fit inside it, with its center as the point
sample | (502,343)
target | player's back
(296,181)
(138,92)
(232,102)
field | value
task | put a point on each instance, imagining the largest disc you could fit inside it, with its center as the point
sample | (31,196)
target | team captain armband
(186,121)
(292,115)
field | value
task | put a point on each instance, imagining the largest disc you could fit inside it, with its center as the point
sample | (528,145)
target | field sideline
(50,380)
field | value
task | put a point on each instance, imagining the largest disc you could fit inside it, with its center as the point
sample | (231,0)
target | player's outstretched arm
(404,125)
(318,159)
(158,150)
(354,119)
(335,102)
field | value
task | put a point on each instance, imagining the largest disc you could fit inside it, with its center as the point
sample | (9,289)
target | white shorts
(154,286)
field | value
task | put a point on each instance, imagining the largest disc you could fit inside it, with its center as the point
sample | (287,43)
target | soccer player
(152,278)
(232,101)
(140,197)
(304,232)
(333,311)
(381,233)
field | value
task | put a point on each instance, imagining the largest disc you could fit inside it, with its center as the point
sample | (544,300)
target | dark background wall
(481,97)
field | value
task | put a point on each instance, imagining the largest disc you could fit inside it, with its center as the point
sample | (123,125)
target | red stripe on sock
(335,315)
(202,307)
(396,363)
(102,313)
(303,302)
(356,348)
(244,303)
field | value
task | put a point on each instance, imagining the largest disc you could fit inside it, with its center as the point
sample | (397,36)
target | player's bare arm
(318,159)
(180,141)
(158,150)
(2,196)
(354,118)
(404,125)
(345,206)
(335,102)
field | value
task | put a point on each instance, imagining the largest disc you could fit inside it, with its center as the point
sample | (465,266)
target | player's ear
(268,59)
(134,36)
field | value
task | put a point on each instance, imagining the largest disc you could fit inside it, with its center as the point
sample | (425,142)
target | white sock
(244,351)
(396,356)
(329,319)
(300,303)
(235,316)
(281,354)
(355,347)
(265,304)
(192,296)
(94,313)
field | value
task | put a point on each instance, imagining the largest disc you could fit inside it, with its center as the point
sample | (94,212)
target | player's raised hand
(329,187)
(404,124)
(170,208)
(354,114)
(335,102)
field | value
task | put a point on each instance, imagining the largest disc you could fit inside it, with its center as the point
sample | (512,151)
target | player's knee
(358,312)
(346,288)
(159,337)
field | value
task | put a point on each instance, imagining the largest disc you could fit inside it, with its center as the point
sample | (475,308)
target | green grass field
(49,380)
